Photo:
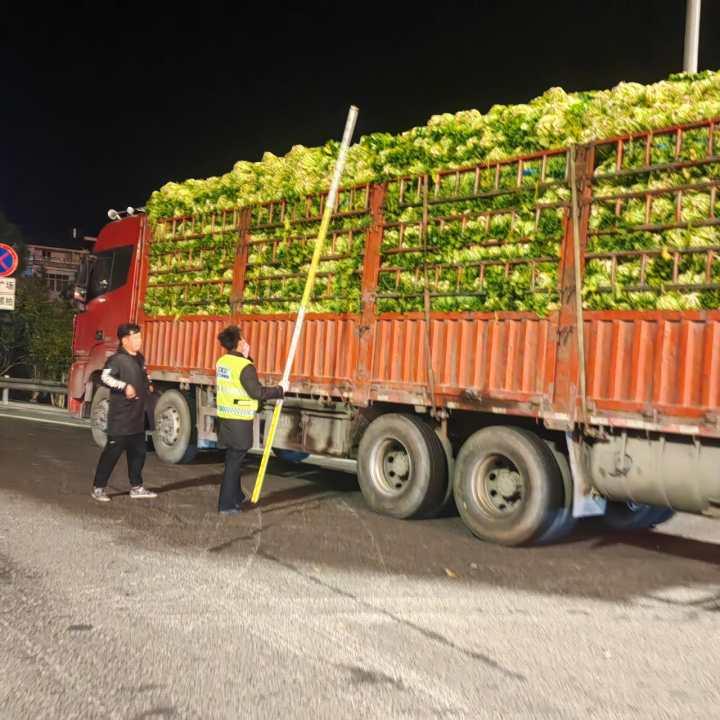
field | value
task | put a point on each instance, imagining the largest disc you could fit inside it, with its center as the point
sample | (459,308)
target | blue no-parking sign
(8,260)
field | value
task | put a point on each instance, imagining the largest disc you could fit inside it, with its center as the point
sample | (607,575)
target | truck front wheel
(175,435)
(402,469)
(99,415)
(508,486)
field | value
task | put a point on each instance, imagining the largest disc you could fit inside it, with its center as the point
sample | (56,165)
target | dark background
(104,102)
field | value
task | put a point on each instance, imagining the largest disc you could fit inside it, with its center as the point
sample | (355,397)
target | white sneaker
(100,495)
(139,491)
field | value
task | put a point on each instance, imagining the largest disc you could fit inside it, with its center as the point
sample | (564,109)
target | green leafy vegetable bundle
(489,253)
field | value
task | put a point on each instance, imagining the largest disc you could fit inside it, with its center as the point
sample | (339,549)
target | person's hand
(284,384)
(130,393)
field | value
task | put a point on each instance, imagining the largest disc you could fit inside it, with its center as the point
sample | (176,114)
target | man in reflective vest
(239,394)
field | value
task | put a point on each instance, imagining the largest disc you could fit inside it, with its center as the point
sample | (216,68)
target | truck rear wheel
(508,487)
(629,515)
(99,415)
(402,469)
(175,435)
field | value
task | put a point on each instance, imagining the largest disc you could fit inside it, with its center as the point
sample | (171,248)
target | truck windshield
(110,271)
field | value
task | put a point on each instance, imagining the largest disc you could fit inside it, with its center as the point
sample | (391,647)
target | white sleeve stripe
(110,381)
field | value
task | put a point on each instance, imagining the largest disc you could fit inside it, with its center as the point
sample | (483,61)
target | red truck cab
(106,296)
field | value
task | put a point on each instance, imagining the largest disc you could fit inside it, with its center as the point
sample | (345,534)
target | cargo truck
(526,421)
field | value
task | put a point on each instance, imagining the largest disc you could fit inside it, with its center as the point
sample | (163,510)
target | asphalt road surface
(309,605)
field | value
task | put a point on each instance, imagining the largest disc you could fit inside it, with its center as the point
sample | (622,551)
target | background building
(59,265)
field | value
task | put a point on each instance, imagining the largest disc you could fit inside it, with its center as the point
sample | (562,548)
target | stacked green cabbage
(555,119)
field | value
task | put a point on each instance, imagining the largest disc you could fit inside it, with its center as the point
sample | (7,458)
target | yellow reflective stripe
(232,390)
(226,411)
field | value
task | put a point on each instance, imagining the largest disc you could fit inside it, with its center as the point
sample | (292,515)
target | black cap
(127,329)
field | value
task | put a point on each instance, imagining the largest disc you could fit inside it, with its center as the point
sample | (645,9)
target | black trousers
(134,446)
(237,436)
(231,494)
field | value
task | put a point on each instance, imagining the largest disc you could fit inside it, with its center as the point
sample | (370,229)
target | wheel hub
(391,467)
(499,486)
(508,482)
(169,426)
(397,464)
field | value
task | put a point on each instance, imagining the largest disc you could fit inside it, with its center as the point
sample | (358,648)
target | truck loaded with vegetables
(443,348)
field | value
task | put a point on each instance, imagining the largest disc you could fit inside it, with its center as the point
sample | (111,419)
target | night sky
(106,101)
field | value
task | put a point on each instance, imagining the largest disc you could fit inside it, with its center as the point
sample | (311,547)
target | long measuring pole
(309,283)
(692,36)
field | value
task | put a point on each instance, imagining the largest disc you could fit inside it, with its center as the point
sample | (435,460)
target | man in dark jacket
(239,394)
(130,396)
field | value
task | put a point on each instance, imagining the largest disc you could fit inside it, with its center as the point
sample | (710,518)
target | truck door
(108,297)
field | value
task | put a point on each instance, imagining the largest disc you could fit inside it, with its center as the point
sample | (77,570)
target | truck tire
(564,522)
(662,515)
(402,470)
(99,415)
(622,516)
(508,486)
(447,506)
(175,435)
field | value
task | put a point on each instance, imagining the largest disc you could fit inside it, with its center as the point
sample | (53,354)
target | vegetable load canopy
(492,243)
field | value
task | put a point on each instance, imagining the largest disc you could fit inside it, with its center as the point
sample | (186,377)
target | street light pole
(692,36)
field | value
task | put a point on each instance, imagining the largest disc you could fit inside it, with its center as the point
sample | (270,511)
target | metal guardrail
(29,385)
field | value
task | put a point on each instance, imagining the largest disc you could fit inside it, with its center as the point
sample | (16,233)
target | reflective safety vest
(233,402)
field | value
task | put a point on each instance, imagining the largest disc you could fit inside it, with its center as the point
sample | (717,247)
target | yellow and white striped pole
(309,283)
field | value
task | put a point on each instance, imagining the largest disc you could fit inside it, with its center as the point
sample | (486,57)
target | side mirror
(79,297)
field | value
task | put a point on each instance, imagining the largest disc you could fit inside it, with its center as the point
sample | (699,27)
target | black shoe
(230,513)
